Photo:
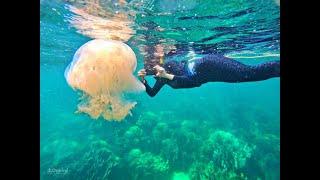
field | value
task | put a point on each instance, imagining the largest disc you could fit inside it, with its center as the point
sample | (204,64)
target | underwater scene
(217,131)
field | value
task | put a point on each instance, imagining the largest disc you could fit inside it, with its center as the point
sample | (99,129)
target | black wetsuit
(212,68)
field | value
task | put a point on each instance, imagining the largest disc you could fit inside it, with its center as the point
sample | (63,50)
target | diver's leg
(215,68)
(238,72)
(265,71)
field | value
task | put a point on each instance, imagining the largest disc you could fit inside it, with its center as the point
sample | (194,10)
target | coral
(227,151)
(222,157)
(154,147)
(133,134)
(147,120)
(267,154)
(170,150)
(63,148)
(133,137)
(188,143)
(144,165)
(208,171)
(95,162)
(161,131)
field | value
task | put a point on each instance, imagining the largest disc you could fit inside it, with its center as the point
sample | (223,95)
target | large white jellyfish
(102,71)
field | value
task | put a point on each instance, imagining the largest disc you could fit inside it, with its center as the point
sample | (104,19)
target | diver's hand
(161,72)
(142,73)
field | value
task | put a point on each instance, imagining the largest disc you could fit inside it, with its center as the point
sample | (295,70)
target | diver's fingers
(142,70)
(159,68)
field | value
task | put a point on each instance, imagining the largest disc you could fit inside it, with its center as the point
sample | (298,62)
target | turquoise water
(217,131)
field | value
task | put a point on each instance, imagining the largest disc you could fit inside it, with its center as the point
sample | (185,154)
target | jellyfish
(101,70)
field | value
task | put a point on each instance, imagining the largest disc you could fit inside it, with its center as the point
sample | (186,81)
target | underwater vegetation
(145,165)
(162,146)
(223,155)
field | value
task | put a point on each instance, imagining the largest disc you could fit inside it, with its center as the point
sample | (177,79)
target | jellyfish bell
(103,71)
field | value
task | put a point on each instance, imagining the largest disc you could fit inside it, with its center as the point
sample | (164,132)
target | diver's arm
(156,88)
(186,81)
(181,81)
(168,76)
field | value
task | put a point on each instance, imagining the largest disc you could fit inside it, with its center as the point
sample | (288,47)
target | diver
(210,68)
